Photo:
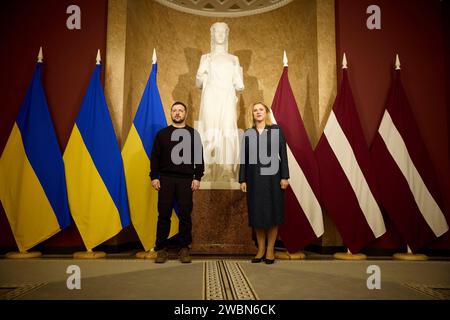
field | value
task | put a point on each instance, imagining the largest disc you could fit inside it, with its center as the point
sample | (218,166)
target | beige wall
(304,28)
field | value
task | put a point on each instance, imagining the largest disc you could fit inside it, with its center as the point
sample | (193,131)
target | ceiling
(224,8)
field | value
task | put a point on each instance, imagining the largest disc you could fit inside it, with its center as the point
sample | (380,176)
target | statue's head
(219,35)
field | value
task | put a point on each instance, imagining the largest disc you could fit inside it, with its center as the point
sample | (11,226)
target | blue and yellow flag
(149,119)
(94,169)
(32,180)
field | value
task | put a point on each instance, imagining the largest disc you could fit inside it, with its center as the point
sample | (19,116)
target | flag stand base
(349,256)
(146,255)
(89,255)
(410,256)
(141,254)
(23,255)
(285,255)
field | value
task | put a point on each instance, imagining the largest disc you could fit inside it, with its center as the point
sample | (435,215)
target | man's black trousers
(174,189)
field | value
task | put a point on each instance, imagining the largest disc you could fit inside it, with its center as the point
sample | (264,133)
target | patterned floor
(223,279)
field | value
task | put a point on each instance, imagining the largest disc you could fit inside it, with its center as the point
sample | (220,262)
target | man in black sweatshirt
(176,170)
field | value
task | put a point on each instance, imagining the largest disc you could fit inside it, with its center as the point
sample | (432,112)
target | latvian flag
(408,189)
(347,181)
(303,214)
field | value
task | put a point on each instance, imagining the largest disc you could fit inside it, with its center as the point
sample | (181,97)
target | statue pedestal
(220,223)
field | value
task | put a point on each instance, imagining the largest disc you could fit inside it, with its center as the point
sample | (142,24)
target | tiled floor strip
(440,292)
(14,291)
(225,280)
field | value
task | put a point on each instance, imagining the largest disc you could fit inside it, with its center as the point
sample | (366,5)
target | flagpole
(24,254)
(409,255)
(89,254)
(286,255)
(348,255)
(149,254)
(40,57)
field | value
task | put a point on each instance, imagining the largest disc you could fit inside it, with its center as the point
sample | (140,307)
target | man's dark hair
(180,103)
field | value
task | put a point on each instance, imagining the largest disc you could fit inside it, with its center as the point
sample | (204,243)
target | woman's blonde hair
(250,121)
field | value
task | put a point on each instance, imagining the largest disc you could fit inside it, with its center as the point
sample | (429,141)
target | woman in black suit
(264,175)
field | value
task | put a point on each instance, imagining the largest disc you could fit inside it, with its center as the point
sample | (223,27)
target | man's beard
(177,121)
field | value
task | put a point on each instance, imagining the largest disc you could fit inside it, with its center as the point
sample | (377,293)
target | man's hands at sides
(156,184)
(195,185)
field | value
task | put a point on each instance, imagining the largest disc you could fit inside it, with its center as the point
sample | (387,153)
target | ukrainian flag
(94,169)
(32,181)
(149,119)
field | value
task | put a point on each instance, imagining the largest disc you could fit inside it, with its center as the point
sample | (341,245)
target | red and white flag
(303,215)
(347,180)
(408,188)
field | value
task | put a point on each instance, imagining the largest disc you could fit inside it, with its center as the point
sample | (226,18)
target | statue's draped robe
(218,115)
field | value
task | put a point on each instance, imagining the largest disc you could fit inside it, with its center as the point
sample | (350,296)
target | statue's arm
(202,72)
(238,77)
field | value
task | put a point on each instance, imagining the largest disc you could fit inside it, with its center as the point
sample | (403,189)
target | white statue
(219,76)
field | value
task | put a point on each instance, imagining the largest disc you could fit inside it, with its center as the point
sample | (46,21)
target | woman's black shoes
(257,260)
(262,259)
